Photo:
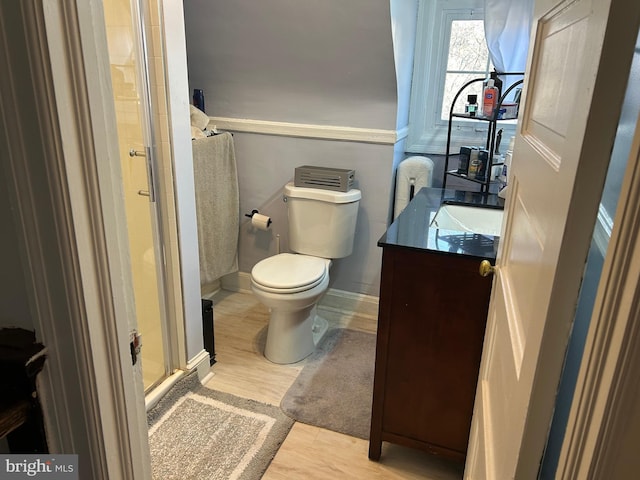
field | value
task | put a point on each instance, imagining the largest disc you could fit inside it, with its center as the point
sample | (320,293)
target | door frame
(82,49)
(606,400)
(68,206)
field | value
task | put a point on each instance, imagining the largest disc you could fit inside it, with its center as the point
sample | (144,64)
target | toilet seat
(289,273)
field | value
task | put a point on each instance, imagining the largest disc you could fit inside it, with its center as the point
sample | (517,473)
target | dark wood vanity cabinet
(431,324)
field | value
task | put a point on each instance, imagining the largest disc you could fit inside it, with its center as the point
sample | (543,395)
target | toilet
(322,226)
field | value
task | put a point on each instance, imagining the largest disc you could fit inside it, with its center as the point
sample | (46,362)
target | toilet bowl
(291,285)
(321,227)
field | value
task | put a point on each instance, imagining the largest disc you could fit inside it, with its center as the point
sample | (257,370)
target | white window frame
(427,131)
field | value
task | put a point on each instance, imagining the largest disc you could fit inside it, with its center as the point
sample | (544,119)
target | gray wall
(327,63)
(319,63)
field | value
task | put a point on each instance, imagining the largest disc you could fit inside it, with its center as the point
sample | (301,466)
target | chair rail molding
(325,132)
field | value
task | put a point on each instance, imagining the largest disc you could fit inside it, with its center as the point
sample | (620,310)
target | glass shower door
(130,79)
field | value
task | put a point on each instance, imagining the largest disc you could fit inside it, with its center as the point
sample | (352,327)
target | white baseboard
(201,364)
(153,397)
(349,302)
(208,291)
(334,299)
(237,282)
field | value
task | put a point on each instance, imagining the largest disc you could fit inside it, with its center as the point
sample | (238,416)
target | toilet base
(293,336)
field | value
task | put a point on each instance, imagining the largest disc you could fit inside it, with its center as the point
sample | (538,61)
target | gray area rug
(198,433)
(335,388)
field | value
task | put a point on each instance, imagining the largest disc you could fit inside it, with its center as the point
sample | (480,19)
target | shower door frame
(157,192)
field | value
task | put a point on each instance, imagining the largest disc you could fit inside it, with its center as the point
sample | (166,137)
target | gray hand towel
(217,206)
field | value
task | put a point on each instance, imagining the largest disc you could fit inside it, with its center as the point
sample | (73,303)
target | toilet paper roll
(261,222)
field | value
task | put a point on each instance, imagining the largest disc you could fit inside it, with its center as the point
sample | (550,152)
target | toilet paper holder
(253,212)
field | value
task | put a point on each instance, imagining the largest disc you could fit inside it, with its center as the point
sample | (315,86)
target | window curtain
(507,26)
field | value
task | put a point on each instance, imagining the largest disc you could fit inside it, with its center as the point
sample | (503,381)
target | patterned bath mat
(199,433)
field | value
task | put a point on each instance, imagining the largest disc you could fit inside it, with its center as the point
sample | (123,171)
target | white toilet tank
(322,223)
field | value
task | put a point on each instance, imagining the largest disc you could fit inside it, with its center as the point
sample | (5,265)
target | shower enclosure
(138,89)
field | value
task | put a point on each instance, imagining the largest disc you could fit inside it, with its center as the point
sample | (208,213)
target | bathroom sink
(468,218)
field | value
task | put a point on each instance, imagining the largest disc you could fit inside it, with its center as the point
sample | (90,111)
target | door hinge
(135,344)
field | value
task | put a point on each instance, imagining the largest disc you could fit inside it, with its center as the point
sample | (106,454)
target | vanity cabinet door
(432,317)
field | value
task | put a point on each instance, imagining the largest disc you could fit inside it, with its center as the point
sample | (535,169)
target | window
(467,58)
(450,50)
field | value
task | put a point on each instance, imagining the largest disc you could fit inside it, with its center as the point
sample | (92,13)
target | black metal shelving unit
(491,133)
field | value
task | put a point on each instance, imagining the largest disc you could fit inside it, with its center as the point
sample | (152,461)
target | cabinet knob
(486,268)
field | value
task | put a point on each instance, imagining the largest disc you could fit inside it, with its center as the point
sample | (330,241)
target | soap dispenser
(496,82)
(489,99)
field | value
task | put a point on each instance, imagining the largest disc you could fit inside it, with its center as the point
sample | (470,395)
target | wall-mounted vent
(338,179)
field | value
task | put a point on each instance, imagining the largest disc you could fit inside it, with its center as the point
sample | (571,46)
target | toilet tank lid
(330,196)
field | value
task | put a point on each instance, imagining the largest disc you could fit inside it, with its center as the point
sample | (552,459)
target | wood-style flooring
(309,453)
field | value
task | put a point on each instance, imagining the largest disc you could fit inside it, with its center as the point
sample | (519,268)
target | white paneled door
(578,65)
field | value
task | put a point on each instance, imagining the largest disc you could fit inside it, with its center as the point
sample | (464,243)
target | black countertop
(411,229)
